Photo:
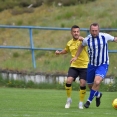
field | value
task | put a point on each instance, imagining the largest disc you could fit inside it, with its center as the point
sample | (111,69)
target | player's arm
(60,52)
(77,53)
(81,38)
(115,39)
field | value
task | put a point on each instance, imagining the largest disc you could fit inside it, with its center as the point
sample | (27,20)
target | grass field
(50,103)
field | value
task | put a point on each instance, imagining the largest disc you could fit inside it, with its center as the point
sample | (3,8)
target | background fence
(32,47)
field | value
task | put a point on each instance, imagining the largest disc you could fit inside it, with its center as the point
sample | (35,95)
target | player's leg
(94,91)
(82,92)
(90,81)
(90,86)
(68,89)
(68,86)
(100,73)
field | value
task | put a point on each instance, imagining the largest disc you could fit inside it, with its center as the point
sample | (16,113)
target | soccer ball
(114,103)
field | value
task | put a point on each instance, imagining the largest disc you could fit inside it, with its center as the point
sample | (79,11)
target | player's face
(94,30)
(75,33)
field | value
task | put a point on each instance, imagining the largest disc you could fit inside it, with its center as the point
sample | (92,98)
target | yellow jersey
(83,59)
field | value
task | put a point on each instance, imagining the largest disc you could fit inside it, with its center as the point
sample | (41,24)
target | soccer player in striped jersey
(97,43)
(78,68)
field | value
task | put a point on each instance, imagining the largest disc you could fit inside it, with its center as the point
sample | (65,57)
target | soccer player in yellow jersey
(77,68)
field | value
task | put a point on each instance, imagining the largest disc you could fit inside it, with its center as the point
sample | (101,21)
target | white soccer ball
(114,103)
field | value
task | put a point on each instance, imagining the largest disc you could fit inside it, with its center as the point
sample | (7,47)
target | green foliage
(25,3)
(29,84)
(85,1)
(19,22)
(114,24)
(39,54)
(67,15)
(49,2)
(66,2)
(62,25)
(8,4)
(112,87)
(15,83)
(16,54)
(37,3)
(19,10)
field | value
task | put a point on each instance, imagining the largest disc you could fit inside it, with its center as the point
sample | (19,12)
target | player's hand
(80,38)
(73,59)
(57,52)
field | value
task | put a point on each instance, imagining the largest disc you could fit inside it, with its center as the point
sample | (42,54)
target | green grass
(50,103)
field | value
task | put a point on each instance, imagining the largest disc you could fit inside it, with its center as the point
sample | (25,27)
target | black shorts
(77,72)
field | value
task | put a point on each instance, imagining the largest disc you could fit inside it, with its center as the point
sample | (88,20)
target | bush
(49,2)
(16,54)
(69,2)
(66,2)
(25,3)
(112,87)
(19,10)
(37,3)
(10,4)
(7,4)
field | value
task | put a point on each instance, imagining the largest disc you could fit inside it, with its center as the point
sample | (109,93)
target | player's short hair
(94,24)
(74,26)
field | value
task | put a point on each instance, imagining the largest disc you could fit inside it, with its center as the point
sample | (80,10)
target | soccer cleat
(69,101)
(87,104)
(98,100)
(80,105)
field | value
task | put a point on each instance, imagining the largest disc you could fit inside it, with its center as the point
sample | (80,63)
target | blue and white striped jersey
(98,48)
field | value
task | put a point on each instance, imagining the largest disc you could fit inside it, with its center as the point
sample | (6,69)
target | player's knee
(82,83)
(97,82)
(69,80)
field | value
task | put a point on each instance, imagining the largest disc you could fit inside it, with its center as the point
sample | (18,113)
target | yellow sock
(68,91)
(82,95)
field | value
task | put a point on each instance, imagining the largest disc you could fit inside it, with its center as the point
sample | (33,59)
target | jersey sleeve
(109,37)
(84,42)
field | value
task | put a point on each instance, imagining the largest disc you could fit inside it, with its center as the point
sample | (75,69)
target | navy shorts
(96,71)
(77,72)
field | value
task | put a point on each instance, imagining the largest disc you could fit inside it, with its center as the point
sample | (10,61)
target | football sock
(93,93)
(82,93)
(68,90)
